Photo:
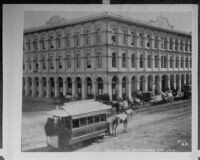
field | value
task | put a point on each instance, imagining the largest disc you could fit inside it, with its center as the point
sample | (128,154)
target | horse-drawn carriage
(75,122)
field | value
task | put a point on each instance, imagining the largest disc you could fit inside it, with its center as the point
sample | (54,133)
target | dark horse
(113,122)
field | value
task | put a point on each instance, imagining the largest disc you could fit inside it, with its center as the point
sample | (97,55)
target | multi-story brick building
(105,53)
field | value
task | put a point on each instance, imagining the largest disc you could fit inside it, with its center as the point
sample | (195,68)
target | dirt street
(160,128)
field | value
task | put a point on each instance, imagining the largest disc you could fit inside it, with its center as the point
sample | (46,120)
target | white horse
(129,112)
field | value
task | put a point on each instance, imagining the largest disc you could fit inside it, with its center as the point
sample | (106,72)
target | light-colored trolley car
(75,122)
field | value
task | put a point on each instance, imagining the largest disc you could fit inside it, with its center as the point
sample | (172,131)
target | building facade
(105,53)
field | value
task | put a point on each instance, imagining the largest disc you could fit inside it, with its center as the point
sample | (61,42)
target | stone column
(168,62)
(33,88)
(48,89)
(137,61)
(129,89)
(160,85)
(145,84)
(184,81)
(64,88)
(109,89)
(168,83)
(73,87)
(83,90)
(40,88)
(145,60)
(138,84)
(120,89)
(152,61)
(168,41)
(56,88)
(153,85)
(175,87)
(94,87)
(159,61)
(179,83)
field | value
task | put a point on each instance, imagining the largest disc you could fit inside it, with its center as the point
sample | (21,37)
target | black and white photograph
(107,81)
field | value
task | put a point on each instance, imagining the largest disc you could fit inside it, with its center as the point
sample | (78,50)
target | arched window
(28,44)
(114,62)
(140,40)
(156,42)
(133,60)
(59,38)
(186,62)
(156,61)
(182,61)
(171,62)
(42,40)
(141,61)
(177,61)
(125,38)
(165,43)
(78,62)
(51,44)
(165,61)
(124,60)
(87,37)
(98,35)
(114,36)
(99,60)
(43,63)
(176,44)
(59,62)
(148,41)
(29,63)
(68,40)
(162,42)
(77,39)
(149,61)
(36,64)
(132,38)
(170,43)
(68,61)
(88,61)
(51,62)
(35,45)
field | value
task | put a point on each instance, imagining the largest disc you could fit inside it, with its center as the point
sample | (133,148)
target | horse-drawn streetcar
(75,122)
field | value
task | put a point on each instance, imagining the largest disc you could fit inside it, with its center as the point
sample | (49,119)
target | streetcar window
(83,121)
(103,117)
(90,120)
(75,123)
(96,118)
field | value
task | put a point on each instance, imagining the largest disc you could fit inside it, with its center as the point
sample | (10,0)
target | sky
(180,20)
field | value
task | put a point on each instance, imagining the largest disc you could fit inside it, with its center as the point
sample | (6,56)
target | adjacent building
(105,53)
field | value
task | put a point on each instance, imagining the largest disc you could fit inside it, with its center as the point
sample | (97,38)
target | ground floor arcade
(116,85)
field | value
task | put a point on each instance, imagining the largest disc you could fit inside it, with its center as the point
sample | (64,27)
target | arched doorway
(124,88)
(157,84)
(36,87)
(187,80)
(172,82)
(164,83)
(79,87)
(150,83)
(133,86)
(182,81)
(142,83)
(52,87)
(99,86)
(177,82)
(69,86)
(60,86)
(44,87)
(88,87)
(115,87)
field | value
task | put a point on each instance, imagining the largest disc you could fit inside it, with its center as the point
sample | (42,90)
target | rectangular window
(68,40)
(132,38)
(78,61)
(43,63)
(59,62)
(124,37)
(75,123)
(156,42)
(99,60)
(51,62)
(68,61)
(156,61)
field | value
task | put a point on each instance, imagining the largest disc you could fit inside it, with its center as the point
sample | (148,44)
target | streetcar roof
(59,113)
(80,109)
(85,108)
